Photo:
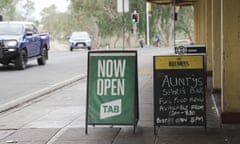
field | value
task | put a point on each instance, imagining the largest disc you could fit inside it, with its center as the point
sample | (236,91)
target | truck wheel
(21,60)
(42,60)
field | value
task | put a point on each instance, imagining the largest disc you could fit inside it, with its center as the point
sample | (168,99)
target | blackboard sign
(179,90)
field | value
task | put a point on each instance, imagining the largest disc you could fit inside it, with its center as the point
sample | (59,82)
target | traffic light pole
(134,27)
(123,27)
(123,6)
(147,23)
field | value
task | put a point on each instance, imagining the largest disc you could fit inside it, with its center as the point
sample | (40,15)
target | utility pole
(122,7)
(123,27)
(148,5)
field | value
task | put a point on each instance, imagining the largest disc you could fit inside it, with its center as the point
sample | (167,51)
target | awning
(173,2)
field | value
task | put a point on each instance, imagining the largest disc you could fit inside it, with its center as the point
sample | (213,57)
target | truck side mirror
(28,32)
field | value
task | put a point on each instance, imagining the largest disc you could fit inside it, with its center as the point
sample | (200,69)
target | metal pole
(174,35)
(123,23)
(147,24)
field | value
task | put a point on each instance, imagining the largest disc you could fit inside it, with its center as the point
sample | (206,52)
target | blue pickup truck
(20,42)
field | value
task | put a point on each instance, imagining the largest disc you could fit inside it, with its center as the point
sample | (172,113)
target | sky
(61,5)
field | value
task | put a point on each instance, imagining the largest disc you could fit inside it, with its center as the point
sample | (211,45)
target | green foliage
(7,9)
(28,9)
(57,24)
(184,24)
(101,12)
(101,19)
(162,22)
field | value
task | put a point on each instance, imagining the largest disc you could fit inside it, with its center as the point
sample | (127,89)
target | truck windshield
(10,29)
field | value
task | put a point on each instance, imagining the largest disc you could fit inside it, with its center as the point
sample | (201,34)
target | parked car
(80,40)
(20,42)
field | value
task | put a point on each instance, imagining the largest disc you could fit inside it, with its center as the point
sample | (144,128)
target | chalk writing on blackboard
(180,94)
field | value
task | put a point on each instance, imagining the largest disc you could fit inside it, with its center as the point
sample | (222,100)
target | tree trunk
(164,37)
(117,39)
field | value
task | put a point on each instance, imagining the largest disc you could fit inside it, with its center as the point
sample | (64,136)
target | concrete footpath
(59,118)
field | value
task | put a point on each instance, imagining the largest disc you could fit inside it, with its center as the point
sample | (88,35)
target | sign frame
(167,111)
(115,104)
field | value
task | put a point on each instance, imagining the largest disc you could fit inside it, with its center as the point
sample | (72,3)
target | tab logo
(111,109)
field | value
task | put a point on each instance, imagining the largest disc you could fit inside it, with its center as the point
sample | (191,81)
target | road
(63,66)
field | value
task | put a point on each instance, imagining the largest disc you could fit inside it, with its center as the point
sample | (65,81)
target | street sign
(112,89)
(191,49)
(179,91)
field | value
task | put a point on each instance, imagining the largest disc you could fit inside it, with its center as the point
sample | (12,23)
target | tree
(164,24)
(7,9)
(101,19)
(184,24)
(55,23)
(100,15)
(28,8)
(23,10)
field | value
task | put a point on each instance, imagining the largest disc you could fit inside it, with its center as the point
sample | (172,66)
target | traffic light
(135,17)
